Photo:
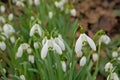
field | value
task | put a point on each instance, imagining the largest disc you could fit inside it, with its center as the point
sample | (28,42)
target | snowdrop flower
(60,42)
(31,58)
(22,47)
(12,39)
(79,44)
(50,14)
(19,52)
(114,76)
(108,67)
(50,43)
(73,12)
(4,70)
(83,61)
(36,29)
(2,45)
(63,66)
(36,45)
(20,3)
(37,2)
(57,4)
(10,17)
(105,39)
(29,50)
(114,54)
(2,19)
(2,9)
(22,77)
(8,29)
(32,18)
(60,4)
(95,57)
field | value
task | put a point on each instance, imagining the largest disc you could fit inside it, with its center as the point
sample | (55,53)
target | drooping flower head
(55,44)
(21,48)
(36,29)
(8,30)
(83,61)
(105,39)
(108,66)
(80,43)
(50,43)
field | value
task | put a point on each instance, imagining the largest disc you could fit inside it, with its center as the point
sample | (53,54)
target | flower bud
(63,66)
(22,77)
(36,45)
(2,45)
(31,58)
(50,15)
(108,67)
(95,57)
(10,17)
(29,50)
(2,9)
(83,61)
(73,12)
(114,54)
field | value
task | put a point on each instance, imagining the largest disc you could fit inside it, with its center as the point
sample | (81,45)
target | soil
(94,15)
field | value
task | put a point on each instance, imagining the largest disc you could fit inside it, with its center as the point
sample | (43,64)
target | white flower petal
(90,42)
(95,57)
(44,40)
(114,54)
(79,54)
(105,39)
(73,12)
(36,45)
(19,52)
(108,67)
(2,19)
(12,39)
(29,50)
(44,50)
(37,2)
(35,29)
(2,9)
(57,48)
(31,58)
(22,77)
(115,76)
(83,61)
(50,14)
(10,17)
(63,66)
(8,29)
(39,29)
(25,46)
(60,43)
(78,45)
(2,45)
(32,31)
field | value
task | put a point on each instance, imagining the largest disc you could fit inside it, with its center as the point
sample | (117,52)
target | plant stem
(97,64)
